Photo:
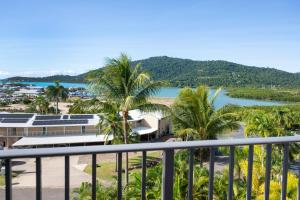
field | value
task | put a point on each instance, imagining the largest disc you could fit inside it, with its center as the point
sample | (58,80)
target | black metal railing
(168,149)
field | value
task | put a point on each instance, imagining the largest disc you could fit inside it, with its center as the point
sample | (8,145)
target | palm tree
(194,116)
(40,104)
(56,92)
(262,124)
(128,87)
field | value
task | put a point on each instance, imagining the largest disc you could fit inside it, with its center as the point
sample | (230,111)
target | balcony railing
(168,149)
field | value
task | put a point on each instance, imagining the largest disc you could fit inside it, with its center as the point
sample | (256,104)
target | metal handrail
(168,149)
(61,151)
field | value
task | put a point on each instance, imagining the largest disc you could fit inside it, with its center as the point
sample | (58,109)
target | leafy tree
(41,104)
(126,86)
(56,92)
(194,116)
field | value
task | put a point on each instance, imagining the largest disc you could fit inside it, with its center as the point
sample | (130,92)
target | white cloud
(4,74)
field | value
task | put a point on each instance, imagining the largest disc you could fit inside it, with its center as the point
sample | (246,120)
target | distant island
(186,72)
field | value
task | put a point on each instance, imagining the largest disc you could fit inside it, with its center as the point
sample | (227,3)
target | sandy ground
(64,106)
(163,100)
(29,194)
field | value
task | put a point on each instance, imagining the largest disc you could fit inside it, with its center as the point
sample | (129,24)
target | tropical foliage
(200,185)
(274,94)
(194,115)
(56,93)
(121,87)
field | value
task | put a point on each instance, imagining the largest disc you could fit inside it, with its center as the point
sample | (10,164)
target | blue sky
(39,37)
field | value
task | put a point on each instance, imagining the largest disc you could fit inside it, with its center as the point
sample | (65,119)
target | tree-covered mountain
(186,72)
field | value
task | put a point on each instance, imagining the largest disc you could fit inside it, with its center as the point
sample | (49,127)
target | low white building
(33,130)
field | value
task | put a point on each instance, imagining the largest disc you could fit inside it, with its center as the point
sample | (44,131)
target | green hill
(186,72)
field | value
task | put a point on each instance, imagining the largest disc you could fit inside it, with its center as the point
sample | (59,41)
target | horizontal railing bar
(62,151)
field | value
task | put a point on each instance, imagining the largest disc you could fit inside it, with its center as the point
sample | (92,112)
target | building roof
(136,115)
(143,130)
(21,120)
(57,140)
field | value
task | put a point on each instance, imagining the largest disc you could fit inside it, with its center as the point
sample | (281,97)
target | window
(44,131)
(83,129)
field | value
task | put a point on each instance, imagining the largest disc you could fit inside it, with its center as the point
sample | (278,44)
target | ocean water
(172,92)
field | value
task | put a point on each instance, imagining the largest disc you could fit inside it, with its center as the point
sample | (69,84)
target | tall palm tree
(194,116)
(56,93)
(41,105)
(129,87)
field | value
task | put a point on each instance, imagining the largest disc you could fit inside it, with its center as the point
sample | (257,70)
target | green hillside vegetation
(61,78)
(291,95)
(185,72)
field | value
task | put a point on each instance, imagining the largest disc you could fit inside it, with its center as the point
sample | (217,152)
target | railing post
(67,177)
(268,172)
(211,173)
(285,164)
(8,184)
(94,174)
(119,176)
(144,168)
(191,174)
(250,170)
(167,174)
(231,175)
(38,177)
(298,184)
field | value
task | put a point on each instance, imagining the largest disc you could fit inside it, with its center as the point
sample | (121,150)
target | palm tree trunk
(201,158)
(56,105)
(125,127)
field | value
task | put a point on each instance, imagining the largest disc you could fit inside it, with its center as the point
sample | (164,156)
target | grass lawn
(14,174)
(106,170)
(2,180)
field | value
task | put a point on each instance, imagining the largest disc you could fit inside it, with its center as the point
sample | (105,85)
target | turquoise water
(46,84)
(172,92)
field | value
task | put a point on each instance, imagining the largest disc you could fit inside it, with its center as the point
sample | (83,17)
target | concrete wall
(150,121)
(73,129)
(91,129)
(52,131)
(3,131)
(35,131)
(164,126)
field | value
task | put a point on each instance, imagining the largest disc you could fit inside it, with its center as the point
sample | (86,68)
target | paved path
(52,173)
(29,194)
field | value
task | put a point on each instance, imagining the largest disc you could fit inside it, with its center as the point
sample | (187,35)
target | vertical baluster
(299,184)
(285,164)
(167,176)
(268,171)
(250,170)
(191,173)
(94,175)
(67,177)
(144,167)
(8,184)
(231,175)
(38,166)
(211,173)
(119,176)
